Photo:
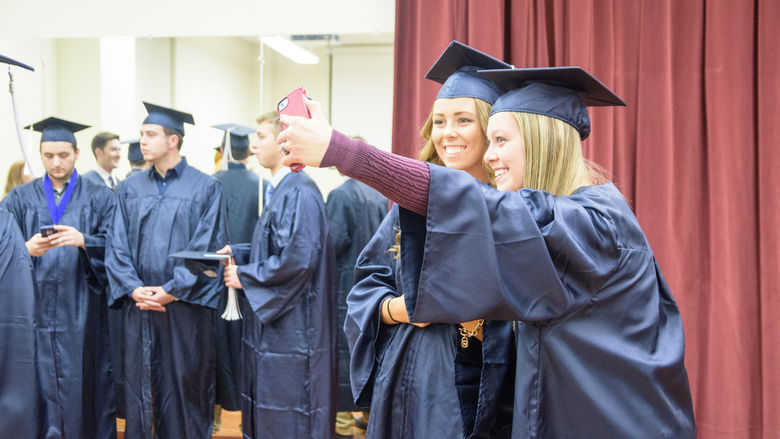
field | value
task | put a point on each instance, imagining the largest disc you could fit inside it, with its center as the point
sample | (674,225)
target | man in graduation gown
(70,312)
(168,313)
(354,212)
(107,151)
(289,307)
(20,398)
(242,206)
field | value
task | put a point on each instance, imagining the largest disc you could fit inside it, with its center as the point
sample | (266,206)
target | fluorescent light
(291,50)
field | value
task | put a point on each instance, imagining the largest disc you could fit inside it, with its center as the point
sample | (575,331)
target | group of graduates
(510,292)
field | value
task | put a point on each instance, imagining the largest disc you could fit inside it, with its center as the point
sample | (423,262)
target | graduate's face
(155,144)
(109,156)
(506,153)
(457,135)
(265,147)
(59,159)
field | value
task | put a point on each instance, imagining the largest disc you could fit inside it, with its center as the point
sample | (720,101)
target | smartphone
(48,230)
(294,104)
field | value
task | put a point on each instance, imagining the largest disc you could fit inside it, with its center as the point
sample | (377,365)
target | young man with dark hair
(107,152)
(168,312)
(66,219)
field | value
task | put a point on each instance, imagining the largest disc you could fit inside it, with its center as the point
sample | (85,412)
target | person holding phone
(288,304)
(66,221)
(600,346)
(437,380)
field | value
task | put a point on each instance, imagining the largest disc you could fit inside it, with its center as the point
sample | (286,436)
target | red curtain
(694,151)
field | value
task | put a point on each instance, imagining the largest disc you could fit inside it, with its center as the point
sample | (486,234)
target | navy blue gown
(20,395)
(289,306)
(599,339)
(408,374)
(70,311)
(240,194)
(354,213)
(169,357)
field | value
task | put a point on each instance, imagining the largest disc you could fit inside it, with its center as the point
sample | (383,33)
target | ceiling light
(289,49)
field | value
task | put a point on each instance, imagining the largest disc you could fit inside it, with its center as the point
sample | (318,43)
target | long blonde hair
(15,176)
(428,154)
(553,156)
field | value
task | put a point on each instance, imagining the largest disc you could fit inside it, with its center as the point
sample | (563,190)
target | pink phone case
(294,104)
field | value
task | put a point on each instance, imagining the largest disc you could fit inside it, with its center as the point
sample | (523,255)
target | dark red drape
(695,152)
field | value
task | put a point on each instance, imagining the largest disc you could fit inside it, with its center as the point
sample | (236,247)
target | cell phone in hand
(48,230)
(294,104)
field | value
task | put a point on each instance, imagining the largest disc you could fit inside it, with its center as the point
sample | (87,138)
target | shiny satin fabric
(408,374)
(289,306)
(70,311)
(600,342)
(354,213)
(21,403)
(169,358)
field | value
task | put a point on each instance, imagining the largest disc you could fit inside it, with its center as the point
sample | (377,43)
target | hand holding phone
(294,104)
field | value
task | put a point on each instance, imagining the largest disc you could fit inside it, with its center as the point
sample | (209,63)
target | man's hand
(231,277)
(38,245)
(66,235)
(151,298)
(226,250)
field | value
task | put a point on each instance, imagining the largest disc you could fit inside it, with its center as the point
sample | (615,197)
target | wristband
(388,311)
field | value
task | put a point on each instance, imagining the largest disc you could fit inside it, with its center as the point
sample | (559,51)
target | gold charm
(464,342)
(465,334)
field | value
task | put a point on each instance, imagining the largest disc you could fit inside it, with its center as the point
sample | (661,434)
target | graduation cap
(239,135)
(13,62)
(55,129)
(563,93)
(134,154)
(167,117)
(457,69)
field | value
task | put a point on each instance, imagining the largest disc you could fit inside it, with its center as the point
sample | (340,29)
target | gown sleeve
(120,268)
(210,235)
(531,256)
(272,285)
(95,239)
(366,335)
(337,207)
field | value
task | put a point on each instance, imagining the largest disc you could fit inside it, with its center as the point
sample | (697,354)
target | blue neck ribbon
(56,211)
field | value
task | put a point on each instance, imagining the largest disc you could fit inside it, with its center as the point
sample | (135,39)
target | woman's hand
(231,277)
(226,250)
(305,140)
(394,311)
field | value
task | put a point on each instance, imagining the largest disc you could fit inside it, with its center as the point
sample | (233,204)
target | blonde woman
(16,176)
(445,379)
(600,344)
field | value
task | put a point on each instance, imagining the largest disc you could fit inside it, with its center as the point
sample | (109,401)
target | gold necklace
(465,334)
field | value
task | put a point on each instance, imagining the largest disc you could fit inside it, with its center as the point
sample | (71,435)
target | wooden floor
(229,430)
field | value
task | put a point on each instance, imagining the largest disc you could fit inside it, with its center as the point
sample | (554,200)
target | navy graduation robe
(20,397)
(408,374)
(94,177)
(600,347)
(289,307)
(240,195)
(354,213)
(70,311)
(169,357)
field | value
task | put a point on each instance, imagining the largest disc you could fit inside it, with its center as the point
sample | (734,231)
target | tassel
(232,312)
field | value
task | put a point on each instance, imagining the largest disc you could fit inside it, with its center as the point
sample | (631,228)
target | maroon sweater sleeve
(399,178)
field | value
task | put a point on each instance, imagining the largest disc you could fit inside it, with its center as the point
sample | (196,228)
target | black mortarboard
(134,154)
(239,135)
(564,93)
(13,62)
(55,129)
(457,69)
(167,117)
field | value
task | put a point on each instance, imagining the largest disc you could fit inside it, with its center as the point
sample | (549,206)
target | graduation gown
(289,306)
(70,311)
(240,195)
(600,347)
(354,213)
(169,357)
(407,374)
(21,402)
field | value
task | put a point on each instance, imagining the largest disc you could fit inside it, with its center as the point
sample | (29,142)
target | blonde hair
(15,176)
(428,154)
(553,156)
(273,118)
